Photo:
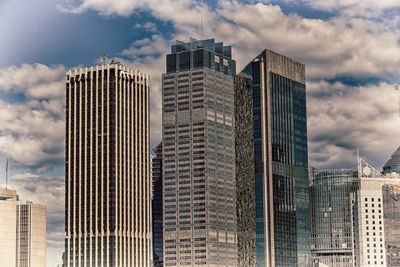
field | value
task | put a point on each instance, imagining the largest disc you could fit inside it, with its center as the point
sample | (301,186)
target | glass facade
(157,206)
(391,206)
(281,160)
(198,156)
(331,212)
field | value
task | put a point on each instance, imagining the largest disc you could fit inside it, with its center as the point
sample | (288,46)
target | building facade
(348,216)
(198,155)
(279,151)
(331,216)
(22,232)
(8,224)
(31,235)
(107,177)
(391,206)
(157,206)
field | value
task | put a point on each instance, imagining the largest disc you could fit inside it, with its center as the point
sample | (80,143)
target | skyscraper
(349,216)
(391,206)
(273,115)
(198,155)
(157,206)
(331,216)
(22,232)
(8,220)
(107,178)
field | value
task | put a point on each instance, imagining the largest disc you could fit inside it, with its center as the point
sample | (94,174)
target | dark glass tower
(198,156)
(157,206)
(280,216)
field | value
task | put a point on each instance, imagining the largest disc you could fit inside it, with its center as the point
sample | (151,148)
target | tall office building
(22,232)
(348,216)
(198,155)
(391,206)
(8,225)
(271,133)
(31,235)
(331,216)
(157,206)
(107,177)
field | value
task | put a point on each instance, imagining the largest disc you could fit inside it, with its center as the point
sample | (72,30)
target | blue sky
(351,49)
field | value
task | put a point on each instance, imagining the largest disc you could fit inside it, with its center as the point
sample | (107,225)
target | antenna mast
(201,24)
(398,96)
(6,174)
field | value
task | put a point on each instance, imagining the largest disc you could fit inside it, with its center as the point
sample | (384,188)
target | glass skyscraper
(198,155)
(272,115)
(331,216)
(157,205)
(107,177)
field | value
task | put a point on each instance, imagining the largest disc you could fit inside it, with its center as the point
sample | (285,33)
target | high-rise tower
(157,206)
(198,156)
(271,135)
(107,180)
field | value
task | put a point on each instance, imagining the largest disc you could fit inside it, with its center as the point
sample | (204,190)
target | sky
(351,49)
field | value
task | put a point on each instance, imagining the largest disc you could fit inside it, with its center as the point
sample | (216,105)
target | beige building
(31,235)
(22,232)
(8,219)
(107,176)
(368,216)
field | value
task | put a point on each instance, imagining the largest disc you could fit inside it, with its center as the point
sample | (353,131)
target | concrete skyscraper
(8,225)
(22,232)
(272,163)
(107,177)
(198,155)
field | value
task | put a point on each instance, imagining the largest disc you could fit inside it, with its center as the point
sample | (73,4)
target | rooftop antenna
(201,25)
(398,96)
(6,174)
(103,59)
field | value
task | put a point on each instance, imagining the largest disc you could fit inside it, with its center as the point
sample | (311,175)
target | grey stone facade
(245,202)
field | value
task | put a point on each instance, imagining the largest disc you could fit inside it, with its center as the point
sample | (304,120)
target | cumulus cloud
(366,8)
(363,117)
(32,132)
(355,42)
(148,26)
(104,7)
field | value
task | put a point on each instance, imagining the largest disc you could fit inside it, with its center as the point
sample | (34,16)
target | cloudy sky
(351,49)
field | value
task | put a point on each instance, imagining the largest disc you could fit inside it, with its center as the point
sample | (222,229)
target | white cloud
(148,26)
(104,7)
(365,8)
(32,131)
(365,117)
